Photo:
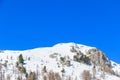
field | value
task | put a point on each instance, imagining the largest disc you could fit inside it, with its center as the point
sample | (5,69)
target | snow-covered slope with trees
(64,61)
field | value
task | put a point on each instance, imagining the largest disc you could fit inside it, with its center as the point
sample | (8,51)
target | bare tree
(94,71)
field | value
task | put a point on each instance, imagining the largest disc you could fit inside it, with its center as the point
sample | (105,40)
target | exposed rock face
(91,55)
(98,58)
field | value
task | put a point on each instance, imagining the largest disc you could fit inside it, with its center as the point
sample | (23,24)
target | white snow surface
(40,57)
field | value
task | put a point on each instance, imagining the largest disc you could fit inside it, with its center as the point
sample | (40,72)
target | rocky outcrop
(98,58)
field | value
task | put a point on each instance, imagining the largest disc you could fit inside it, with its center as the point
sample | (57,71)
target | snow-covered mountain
(64,61)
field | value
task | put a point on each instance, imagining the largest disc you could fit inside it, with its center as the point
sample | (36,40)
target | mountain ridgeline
(64,61)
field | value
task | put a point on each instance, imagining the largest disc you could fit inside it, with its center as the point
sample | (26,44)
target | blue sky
(26,24)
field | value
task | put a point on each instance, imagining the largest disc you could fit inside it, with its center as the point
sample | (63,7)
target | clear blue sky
(26,24)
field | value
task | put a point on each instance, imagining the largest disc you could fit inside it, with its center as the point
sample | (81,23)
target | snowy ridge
(60,58)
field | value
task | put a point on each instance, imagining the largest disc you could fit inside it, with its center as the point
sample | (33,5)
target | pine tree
(20,59)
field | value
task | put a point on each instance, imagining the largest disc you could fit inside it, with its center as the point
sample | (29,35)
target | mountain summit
(64,61)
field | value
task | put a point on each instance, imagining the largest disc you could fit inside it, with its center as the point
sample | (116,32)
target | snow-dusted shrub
(19,78)
(45,78)
(69,78)
(17,64)
(73,49)
(82,58)
(94,72)
(5,64)
(8,77)
(54,55)
(85,59)
(31,76)
(108,70)
(102,75)
(75,58)
(67,63)
(23,69)
(86,75)
(62,59)
(28,58)
(57,76)
(44,70)
(51,76)
(63,70)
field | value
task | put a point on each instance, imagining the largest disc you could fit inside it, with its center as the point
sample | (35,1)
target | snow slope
(36,59)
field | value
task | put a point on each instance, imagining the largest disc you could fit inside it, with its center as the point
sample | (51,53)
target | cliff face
(98,58)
